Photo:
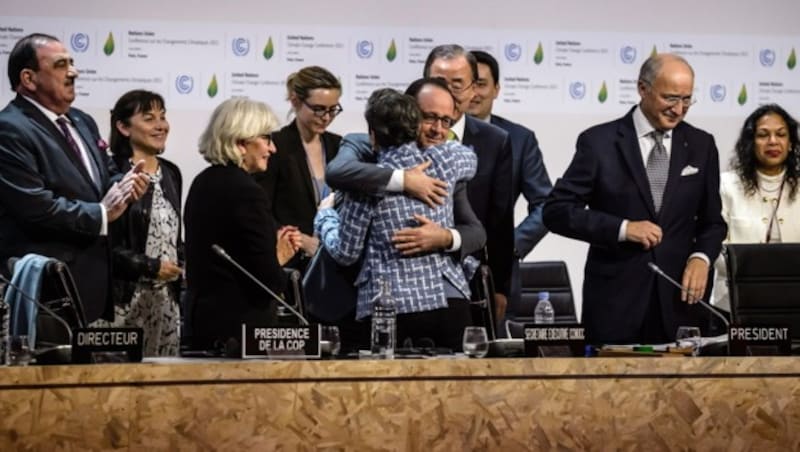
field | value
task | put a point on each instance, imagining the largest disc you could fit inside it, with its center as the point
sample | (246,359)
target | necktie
(658,169)
(62,124)
(452,135)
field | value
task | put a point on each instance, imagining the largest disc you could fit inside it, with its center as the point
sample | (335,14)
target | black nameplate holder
(554,340)
(760,340)
(281,342)
(107,345)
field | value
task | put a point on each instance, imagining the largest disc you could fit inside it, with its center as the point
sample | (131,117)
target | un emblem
(364,49)
(627,54)
(717,92)
(184,84)
(241,46)
(577,90)
(766,57)
(79,42)
(513,51)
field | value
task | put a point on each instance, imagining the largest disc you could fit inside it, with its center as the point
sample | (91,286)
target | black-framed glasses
(320,110)
(431,119)
(267,137)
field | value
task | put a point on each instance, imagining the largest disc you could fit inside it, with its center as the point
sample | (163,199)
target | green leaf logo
(269,49)
(212,87)
(391,54)
(792,61)
(108,48)
(603,94)
(654,52)
(538,57)
(742,99)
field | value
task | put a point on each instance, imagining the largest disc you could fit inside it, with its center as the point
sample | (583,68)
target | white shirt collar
(48,113)
(458,127)
(642,125)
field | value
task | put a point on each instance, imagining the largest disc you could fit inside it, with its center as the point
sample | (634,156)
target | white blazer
(748,218)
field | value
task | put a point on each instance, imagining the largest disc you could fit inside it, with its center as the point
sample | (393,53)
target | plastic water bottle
(544,313)
(384,323)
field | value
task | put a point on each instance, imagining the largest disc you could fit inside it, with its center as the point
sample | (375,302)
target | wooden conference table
(426,405)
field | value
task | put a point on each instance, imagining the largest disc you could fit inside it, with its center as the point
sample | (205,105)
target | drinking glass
(330,333)
(689,337)
(19,351)
(476,342)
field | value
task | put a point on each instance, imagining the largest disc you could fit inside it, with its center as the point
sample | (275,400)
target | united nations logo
(766,57)
(717,92)
(627,54)
(364,49)
(577,90)
(184,84)
(513,51)
(241,46)
(79,42)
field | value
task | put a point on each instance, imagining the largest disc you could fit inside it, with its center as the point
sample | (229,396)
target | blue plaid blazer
(365,221)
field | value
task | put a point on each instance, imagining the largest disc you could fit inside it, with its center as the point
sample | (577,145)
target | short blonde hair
(235,119)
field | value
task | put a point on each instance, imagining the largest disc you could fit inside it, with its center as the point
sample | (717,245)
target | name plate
(760,340)
(281,342)
(90,345)
(563,340)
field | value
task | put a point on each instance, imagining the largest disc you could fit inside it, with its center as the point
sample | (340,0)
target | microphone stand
(657,270)
(224,254)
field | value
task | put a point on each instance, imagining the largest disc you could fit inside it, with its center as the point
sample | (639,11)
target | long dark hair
(129,104)
(744,161)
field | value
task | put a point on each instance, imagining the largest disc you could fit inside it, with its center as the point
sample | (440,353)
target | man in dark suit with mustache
(56,191)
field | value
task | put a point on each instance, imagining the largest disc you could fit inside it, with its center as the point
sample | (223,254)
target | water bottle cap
(544,295)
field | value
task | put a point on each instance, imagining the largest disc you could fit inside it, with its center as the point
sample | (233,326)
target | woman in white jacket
(759,193)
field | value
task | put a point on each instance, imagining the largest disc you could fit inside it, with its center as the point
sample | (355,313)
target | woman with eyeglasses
(759,194)
(146,243)
(226,209)
(295,181)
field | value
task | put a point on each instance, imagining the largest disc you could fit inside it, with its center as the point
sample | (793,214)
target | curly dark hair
(392,117)
(744,161)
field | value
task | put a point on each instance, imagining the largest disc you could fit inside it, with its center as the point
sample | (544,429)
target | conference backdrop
(558,75)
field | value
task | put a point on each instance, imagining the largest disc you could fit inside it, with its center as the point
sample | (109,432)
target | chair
(550,276)
(482,303)
(59,312)
(764,284)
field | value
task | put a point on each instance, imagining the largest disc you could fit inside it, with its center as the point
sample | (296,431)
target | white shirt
(644,132)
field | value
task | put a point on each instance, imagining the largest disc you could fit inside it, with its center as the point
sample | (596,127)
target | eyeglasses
(320,110)
(458,87)
(671,101)
(267,137)
(431,119)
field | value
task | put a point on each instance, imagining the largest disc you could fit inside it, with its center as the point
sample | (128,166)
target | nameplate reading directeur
(90,343)
(280,342)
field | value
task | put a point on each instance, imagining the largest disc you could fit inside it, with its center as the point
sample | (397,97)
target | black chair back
(764,284)
(482,303)
(550,276)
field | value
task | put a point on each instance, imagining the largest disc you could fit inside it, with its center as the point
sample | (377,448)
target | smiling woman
(759,195)
(226,208)
(146,240)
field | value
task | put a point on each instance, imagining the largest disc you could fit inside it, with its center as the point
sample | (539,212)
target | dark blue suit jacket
(49,204)
(490,195)
(607,174)
(528,178)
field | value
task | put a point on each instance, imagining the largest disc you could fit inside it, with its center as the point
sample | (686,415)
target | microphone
(224,254)
(655,268)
